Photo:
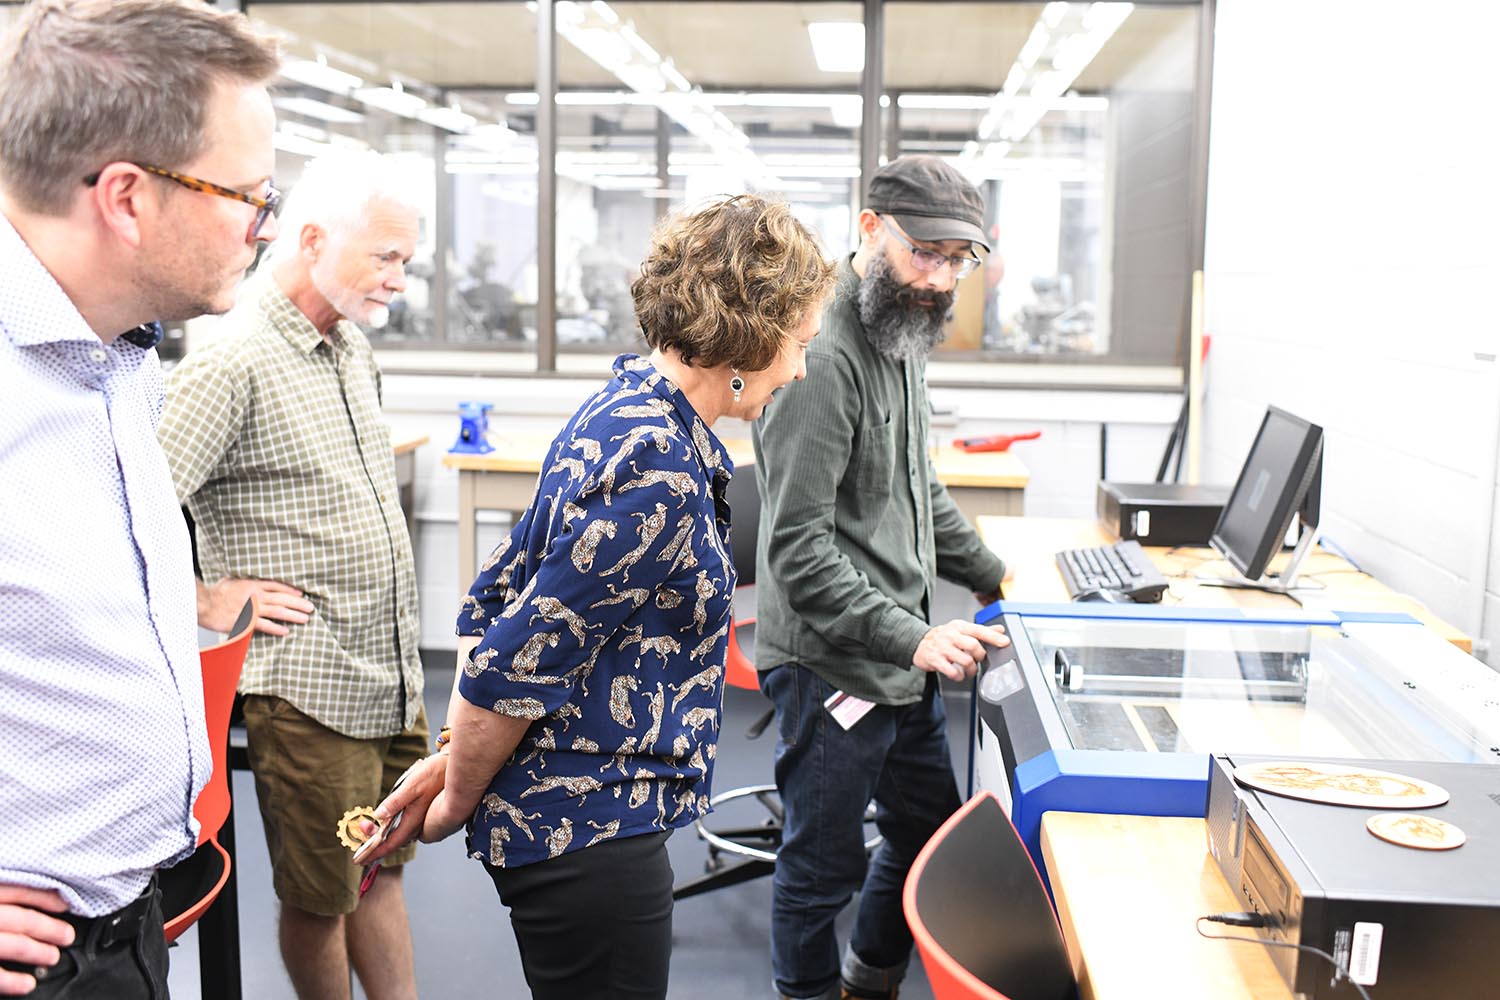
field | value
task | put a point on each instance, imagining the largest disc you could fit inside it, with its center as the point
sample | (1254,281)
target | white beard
(347,304)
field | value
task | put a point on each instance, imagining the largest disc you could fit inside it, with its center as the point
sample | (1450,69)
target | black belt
(96,934)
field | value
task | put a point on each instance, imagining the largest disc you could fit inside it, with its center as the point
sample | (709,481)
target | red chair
(190,887)
(982,920)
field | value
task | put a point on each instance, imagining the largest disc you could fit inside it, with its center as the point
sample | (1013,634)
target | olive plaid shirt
(278,449)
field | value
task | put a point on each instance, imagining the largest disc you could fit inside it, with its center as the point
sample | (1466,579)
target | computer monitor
(1281,479)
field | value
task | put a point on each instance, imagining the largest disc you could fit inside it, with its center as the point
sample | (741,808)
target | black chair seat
(185,884)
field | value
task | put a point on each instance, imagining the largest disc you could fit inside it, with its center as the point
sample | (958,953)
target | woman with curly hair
(584,724)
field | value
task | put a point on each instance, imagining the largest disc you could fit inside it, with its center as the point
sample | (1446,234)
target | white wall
(1353,254)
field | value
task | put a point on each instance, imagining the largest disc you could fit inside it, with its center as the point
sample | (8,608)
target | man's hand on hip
(219,605)
(28,936)
(956,649)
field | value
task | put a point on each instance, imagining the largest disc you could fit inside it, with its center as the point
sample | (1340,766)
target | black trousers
(595,923)
(121,955)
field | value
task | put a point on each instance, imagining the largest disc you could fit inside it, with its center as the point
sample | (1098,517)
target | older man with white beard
(277,448)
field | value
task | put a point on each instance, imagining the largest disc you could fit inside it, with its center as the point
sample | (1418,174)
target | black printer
(1409,924)
(1160,513)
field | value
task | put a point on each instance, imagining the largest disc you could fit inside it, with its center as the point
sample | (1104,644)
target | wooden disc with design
(1341,784)
(349,831)
(1427,833)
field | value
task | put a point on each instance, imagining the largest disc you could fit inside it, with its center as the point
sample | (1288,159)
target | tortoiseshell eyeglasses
(265,207)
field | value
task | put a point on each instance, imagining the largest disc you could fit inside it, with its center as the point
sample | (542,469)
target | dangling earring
(737,384)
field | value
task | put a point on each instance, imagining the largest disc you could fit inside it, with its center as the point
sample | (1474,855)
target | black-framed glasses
(927,261)
(265,207)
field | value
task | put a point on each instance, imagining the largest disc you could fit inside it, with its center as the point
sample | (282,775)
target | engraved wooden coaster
(1427,833)
(1341,784)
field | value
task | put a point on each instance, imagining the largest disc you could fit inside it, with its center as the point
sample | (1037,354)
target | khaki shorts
(307,776)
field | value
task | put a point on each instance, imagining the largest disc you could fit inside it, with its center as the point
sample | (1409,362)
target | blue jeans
(896,755)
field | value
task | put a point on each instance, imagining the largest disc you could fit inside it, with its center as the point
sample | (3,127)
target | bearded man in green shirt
(854,526)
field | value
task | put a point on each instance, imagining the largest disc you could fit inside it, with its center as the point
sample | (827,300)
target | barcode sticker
(1364,955)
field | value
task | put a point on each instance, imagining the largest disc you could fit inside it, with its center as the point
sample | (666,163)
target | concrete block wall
(1351,265)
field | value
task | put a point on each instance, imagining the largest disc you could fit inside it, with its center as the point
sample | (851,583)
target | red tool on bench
(995,442)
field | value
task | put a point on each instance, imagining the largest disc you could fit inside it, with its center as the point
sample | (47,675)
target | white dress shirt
(102,741)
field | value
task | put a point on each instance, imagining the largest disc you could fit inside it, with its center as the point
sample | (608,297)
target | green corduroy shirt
(854,523)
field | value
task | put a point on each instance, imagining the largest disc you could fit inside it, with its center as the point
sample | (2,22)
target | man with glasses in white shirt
(854,525)
(133,189)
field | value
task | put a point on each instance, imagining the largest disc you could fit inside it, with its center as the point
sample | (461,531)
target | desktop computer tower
(1160,513)
(1409,924)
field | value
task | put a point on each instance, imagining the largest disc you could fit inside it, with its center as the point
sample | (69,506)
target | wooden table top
(1129,890)
(992,469)
(403,445)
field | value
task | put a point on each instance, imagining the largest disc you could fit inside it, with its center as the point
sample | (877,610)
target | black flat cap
(929,199)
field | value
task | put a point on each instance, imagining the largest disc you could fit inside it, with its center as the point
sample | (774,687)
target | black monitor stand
(1284,582)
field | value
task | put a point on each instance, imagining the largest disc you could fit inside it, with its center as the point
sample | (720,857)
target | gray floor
(461,934)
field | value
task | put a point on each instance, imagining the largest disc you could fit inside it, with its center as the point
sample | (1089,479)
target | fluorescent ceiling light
(847,114)
(944,102)
(608,182)
(644,50)
(491,167)
(1035,43)
(674,76)
(289,127)
(1014,79)
(601,98)
(597,158)
(453,119)
(724,99)
(684,170)
(813,160)
(838,46)
(397,102)
(1053,13)
(346,141)
(1106,17)
(1074,52)
(1070,36)
(489,141)
(599,33)
(788,187)
(322,111)
(519,155)
(297,144)
(981,102)
(321,75)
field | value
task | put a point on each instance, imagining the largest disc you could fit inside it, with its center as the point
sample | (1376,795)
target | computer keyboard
(1122,568)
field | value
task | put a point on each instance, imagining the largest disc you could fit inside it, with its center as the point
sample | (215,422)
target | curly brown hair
(726,285)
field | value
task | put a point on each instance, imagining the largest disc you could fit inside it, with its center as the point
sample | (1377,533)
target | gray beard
(897,326)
